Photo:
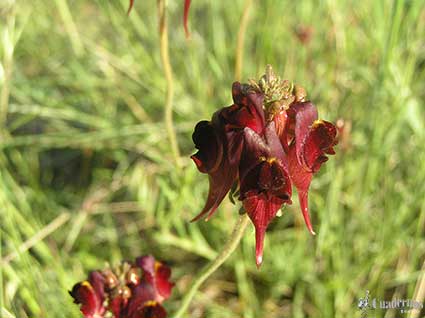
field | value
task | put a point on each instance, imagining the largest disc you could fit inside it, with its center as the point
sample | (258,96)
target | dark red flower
(157,275)
(220,142)
(313,140)
(132,290)
(90,294)
(268,139)
(264,181)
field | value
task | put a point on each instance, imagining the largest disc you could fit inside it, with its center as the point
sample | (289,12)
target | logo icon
(363,305)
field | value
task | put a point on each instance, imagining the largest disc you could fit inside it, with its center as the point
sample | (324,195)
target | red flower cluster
(129,291)
(269,139)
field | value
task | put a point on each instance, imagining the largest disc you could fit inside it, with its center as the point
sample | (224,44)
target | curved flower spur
(269,139)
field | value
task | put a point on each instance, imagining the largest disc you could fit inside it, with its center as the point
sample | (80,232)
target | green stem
(165,58)
(227,250)
(241,39)
(8,48)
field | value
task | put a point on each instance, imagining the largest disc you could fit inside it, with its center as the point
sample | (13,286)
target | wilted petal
(90,294)
(156,274)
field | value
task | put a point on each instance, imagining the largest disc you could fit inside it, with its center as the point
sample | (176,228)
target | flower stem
(168,72)
(227,250)
(7,41)
(241,39)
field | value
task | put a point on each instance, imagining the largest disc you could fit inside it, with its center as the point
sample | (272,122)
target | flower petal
(222,178)
(261,210)
(301,179)
(318,142)
(281,121)
(141,294)
(273,141)
(117,304)
(210,147)
(247,110)
(90,294)
(157,274)
(305,115)
(263,190)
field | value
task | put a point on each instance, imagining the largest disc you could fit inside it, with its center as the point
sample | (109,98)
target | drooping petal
(301,178)
(158,275)
(313,139)
(209,145)
(261,210)
(226,130)
(186,17)
(222,178)
(303,199)
(263,190)
(90,294)
(304,162)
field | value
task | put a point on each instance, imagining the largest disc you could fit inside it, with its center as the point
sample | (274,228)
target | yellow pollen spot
(316,123)
(157,266)
(262,158)
(271,160)
(87,284)
(150,303)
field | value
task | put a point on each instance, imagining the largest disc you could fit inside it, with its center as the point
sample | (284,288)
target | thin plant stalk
(419,294)
(168,73)
(227,250)
(7,64)
(241,39)
(70,27)
(1,275)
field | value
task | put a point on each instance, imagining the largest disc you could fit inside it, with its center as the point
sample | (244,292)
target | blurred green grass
(84,146)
